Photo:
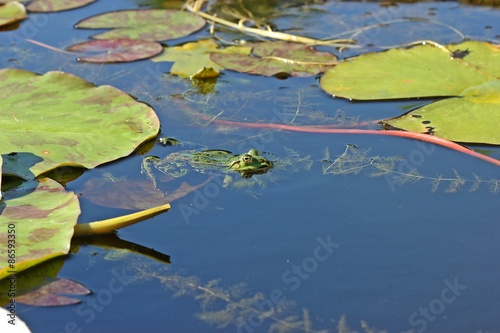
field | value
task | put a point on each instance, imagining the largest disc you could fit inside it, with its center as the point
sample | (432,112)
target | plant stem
(113,224)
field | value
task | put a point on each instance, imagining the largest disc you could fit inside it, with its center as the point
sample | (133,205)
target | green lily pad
(472,118)
(272,58)
(37,222)
(193,58)
(12,12)
(117,50)
(485,56)
(1,163)
(45,6)
(63,120)
(420,71)
(145,24)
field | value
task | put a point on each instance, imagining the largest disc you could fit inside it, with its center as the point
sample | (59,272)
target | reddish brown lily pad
(117,50)
(45,6)
(272,58)
(50,294)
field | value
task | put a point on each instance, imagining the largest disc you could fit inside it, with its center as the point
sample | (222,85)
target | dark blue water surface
(307,248)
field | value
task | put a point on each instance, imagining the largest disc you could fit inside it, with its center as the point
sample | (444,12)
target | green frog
(178,164)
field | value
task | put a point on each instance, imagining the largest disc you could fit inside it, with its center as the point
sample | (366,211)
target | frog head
(250,163)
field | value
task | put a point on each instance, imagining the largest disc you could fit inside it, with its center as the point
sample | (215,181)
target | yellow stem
(110,225)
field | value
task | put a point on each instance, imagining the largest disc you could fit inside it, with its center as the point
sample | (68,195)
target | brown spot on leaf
(42,234)
(25,211)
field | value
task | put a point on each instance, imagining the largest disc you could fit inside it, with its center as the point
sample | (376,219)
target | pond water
(318,242)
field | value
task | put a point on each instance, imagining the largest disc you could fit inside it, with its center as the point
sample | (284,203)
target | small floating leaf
(11,12)
(190,58)
(50,294)
(145,24)
(271,58)
(117,50)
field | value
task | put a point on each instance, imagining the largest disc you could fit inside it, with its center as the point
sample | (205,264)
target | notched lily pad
(117,50)
(471,118)
(272,58)
(144,24)
(11,12)
(64,120)
(45,6)
(37,223)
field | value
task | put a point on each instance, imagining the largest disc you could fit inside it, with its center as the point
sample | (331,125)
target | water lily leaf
(471,118)
(193,59)
(1,164)
(190,58)
(117,50)
(12,12)
(145,24)
(63,120)
(49,294)
(272,58)
(420,71)
(44,6)
(485,56)
(41,215)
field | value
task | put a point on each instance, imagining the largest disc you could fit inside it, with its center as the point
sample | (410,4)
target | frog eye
(247,159)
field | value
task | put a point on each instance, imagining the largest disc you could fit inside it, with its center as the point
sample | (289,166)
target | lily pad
(37,222)
(272,58)
(12,12)
(117,50)
(471,118)
(193,59)
(63,120)
(485,56)
(145,24)
(45,6)
(50,294)
(420,71)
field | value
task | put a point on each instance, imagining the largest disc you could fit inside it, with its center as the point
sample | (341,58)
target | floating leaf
(421,71)
(50,294)
(117,50)
(145,24)
(485,56)
(41,216)
(271,58)
(12,12)
(1,164)
(44,6)
(471,118)
(190,58)
(63,120)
